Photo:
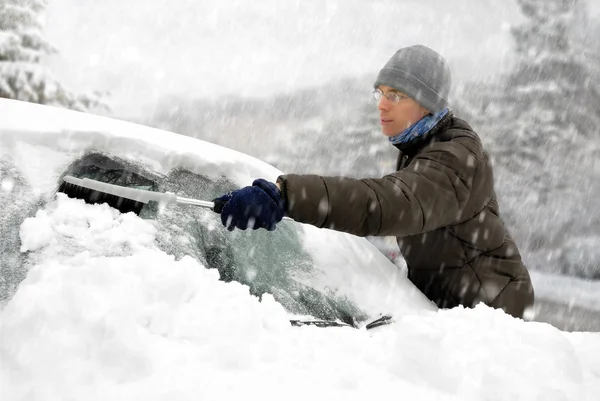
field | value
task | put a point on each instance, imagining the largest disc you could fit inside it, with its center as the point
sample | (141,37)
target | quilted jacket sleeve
(429,193)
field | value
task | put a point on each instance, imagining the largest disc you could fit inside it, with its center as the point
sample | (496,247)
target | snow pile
(104,314)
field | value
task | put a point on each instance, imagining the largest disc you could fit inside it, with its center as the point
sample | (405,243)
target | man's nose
(384,104)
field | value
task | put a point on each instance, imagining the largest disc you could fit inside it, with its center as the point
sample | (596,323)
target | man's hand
(256,206)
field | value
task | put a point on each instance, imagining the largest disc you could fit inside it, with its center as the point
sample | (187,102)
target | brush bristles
(91,196)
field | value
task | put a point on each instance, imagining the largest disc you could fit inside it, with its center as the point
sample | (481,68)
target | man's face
(396,117)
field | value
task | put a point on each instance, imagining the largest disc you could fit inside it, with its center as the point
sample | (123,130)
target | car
(320,276)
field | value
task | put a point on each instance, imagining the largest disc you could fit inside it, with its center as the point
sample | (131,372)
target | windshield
(268,262)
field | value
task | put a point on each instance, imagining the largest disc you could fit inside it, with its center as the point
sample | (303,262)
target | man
(440,203)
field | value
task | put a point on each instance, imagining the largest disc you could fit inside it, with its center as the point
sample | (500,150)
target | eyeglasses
(393,97)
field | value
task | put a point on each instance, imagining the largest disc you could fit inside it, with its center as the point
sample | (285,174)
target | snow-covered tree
(22,47)
(541,123)
(552,83)
(545,137)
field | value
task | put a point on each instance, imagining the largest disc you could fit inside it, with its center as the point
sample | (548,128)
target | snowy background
(289,83)
(213,49)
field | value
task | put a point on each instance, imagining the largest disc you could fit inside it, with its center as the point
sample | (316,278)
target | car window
(268,262)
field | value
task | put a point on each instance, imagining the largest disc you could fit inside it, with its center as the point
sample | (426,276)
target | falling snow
(99,305)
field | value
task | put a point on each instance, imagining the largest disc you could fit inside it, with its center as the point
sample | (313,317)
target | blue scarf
(420,128)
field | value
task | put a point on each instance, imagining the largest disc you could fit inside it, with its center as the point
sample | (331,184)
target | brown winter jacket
(441,206)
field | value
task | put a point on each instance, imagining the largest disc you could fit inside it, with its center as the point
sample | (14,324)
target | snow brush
(127,199)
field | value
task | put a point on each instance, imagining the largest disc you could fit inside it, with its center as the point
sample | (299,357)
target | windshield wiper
(319,323)
(381,321)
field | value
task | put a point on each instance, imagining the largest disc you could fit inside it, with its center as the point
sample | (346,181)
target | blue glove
(257,206)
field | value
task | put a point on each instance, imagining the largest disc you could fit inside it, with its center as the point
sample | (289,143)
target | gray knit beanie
(421,73)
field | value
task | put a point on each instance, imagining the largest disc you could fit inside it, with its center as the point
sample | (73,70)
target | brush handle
(139,195)
(210,205)
(195,202)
